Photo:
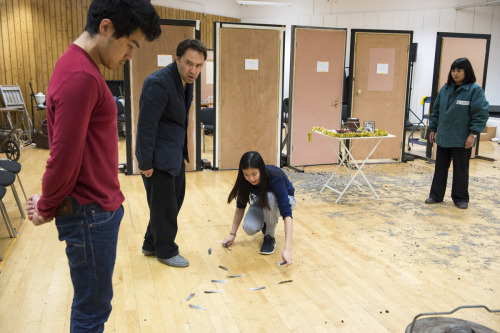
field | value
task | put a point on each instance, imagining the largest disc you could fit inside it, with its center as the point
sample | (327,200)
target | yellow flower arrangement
(377,132)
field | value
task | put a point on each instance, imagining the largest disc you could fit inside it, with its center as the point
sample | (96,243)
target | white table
(341,147)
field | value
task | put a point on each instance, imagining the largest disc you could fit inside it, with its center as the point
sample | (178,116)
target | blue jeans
(91,235)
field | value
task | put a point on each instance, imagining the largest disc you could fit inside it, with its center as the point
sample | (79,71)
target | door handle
(358,92)
(335,104)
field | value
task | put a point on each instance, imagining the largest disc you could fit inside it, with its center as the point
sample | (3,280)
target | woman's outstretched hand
(287,256)
(228,240)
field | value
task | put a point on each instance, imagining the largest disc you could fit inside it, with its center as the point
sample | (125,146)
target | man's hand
(33,214)
(147,173)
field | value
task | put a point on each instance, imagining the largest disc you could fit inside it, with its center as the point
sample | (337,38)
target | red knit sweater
(81,120)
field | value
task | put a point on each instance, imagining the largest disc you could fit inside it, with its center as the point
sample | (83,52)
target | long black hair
(241,188)
(462,63)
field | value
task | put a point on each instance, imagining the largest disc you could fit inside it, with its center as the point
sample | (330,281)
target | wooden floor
(361,265)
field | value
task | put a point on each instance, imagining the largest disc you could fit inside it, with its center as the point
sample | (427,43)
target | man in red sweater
(80,187)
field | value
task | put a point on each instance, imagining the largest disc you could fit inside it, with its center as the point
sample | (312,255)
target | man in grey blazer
(161,147)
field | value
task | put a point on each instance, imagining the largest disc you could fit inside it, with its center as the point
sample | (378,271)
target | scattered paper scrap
(197,307)
(219,281)
(286,281)
(224,268)
(235,276)
(209,251)
(257,288)
(281,263)
(227,246)
(212,291)
(189,297)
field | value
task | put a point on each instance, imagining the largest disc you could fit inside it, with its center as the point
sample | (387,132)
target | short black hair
(191,43)
(462,63)
(126,15)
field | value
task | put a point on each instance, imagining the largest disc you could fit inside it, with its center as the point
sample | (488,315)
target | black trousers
(165,194)
(460,184)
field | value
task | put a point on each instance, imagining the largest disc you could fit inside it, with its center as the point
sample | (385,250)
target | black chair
(285,112)
(120,118)
(207,118)
(7,179)
(15,168)
(12,231)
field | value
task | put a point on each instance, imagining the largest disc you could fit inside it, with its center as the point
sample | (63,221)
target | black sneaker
(268,245)
(431,201)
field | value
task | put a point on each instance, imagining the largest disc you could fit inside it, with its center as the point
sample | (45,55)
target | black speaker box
(413,52)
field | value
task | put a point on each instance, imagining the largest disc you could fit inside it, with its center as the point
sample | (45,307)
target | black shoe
(462,205)
(268,245)
(431,201)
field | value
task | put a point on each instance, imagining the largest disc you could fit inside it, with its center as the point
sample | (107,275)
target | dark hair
(241,189)
(191,43)
(462,63)
(126,15)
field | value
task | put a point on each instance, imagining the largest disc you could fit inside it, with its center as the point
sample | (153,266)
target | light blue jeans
(91,235)
(256,215)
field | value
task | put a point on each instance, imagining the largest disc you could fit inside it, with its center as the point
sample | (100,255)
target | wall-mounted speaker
(413,52)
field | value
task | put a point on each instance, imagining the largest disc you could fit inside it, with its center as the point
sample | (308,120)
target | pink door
(316,82)
(380,79)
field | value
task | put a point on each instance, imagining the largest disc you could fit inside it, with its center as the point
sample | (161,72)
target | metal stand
(420,121)
(32,95)
(344,161)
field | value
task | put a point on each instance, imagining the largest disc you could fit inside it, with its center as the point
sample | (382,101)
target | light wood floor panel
(361,265)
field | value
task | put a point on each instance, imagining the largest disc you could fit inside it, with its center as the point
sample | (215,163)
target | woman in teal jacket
(459,114)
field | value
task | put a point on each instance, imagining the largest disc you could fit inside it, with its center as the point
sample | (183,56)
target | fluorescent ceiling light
(262,3)
(491,3)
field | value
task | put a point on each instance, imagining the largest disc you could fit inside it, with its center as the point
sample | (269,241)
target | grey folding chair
(12,231)
(7,179)
(15,168)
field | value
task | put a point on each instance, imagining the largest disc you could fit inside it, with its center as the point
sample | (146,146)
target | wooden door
(146,60)
(449,47)
(316,82)
(249,67)
(380,67)
(453,48)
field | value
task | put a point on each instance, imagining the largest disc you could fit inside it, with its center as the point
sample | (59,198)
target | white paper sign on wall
(382,68)
(251,64)
(322,66)
(164,60)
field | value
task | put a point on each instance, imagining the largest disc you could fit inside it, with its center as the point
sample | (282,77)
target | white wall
(424,17)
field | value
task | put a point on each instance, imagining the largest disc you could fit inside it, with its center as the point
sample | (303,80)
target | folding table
(343,160)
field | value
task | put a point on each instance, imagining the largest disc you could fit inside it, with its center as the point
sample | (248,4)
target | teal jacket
(458,113)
